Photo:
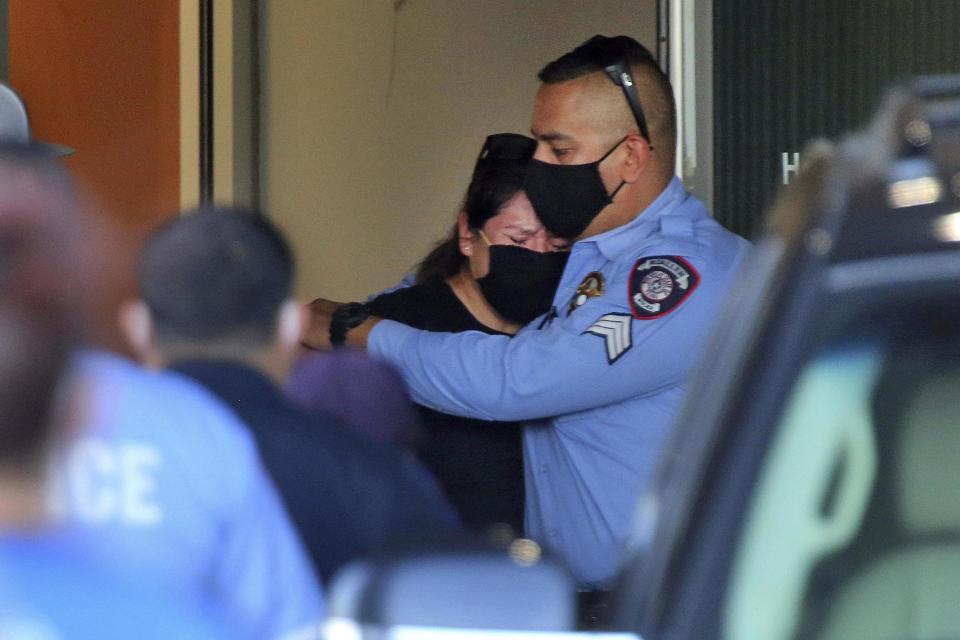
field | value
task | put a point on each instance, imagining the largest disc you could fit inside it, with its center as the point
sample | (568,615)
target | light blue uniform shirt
(611,373)
(51,589)
(172,486)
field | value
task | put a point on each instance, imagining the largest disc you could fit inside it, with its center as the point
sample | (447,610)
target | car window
(853,529)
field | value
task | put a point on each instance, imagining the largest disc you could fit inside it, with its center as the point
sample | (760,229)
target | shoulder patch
(659,284)
(614,328)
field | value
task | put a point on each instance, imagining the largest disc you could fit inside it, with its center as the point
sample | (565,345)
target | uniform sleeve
(264,570)
(600,354)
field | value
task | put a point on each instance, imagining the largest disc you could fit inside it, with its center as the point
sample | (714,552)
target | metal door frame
(685,52)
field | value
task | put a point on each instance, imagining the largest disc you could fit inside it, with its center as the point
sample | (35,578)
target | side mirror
(430,590)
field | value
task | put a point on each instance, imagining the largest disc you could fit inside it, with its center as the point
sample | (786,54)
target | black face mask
(521,283)
(567,197)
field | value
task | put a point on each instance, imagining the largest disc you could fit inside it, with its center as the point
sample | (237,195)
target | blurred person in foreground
(365,394)
(170,484)
(165,480)
(52,583)
(216,306)
(496,271)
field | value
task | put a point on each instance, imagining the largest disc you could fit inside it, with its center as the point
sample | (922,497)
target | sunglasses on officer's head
(507,146)
(616,67)
(619,72)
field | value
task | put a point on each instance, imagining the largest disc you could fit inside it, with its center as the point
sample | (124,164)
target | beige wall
(372,116)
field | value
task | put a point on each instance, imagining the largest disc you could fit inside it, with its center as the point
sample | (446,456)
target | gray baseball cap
(15,126)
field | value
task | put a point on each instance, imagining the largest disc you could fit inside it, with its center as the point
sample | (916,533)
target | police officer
(599,379)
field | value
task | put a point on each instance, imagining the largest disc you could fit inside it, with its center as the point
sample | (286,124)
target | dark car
(811,488)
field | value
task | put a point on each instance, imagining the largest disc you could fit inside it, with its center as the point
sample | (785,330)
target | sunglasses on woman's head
(507,146)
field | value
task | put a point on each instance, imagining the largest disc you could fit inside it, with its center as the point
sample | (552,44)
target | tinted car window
(853,529)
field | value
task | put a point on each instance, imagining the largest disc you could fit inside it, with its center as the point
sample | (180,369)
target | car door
(810,489)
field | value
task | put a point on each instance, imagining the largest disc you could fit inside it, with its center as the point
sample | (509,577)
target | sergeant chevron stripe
(614,328)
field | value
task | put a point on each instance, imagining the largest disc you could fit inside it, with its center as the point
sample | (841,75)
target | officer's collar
(614,242)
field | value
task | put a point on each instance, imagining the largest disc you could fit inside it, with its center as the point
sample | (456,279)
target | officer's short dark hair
(216,275)
(653,85)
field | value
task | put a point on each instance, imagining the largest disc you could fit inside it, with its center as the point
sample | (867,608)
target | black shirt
(347,494)
(478,463)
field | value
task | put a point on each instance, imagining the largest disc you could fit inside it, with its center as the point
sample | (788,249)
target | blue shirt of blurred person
(50,589)
(173,488)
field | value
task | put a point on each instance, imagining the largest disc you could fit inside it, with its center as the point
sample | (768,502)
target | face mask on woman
(521,283)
